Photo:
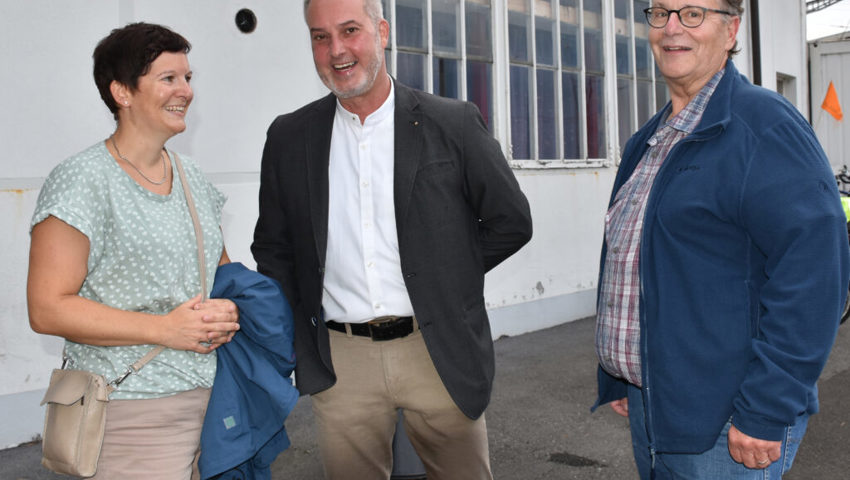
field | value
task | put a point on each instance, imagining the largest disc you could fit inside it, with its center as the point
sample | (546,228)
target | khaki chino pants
(356,417)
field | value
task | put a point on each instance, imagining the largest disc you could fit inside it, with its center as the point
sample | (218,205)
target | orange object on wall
(831,104)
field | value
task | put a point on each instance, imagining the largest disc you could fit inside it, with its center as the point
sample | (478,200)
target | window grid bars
(610,81)
(429,46)
(559,69)
(630,21)
(582,81)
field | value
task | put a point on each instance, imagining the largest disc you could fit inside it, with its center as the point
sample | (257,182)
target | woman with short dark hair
(114,265)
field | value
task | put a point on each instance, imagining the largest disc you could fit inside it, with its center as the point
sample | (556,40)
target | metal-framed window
(557,82)
(444,47)
(561,83)
(641,90)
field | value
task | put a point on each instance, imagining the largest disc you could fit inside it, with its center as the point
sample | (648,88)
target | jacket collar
(718,112)
(408,141)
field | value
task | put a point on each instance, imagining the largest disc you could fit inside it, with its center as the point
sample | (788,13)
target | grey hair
(374,9)
(737,8)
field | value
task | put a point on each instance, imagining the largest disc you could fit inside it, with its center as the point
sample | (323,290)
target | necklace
(122,157)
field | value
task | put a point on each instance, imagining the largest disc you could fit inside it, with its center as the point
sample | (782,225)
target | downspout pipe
(755,41)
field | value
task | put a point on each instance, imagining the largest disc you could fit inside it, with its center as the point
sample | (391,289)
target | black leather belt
(380,329)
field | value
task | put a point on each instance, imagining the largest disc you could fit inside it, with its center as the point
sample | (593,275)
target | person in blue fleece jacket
(724,267)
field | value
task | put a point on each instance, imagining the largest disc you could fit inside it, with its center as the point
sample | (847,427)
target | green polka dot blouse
(142,257)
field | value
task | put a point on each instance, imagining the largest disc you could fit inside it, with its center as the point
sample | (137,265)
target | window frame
(500,93)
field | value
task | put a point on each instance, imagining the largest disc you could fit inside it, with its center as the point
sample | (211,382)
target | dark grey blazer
(459,212)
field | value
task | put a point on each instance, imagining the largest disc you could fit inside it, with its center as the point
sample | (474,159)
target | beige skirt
(153,438)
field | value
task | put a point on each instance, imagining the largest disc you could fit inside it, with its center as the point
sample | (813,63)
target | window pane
(547,141)
(478,38)
(569,45)
(640,17)
(386,10)
(593,61)
(661,94)
(478,81)
(519,29)
(592,6)
(520,112)
(622,37)
(643,54)
(569,11)
(621,9)
(572,122)
(624,110)
(643,57)
(447,77)
(411,70)
(545,37)
(644,101)
(544,32)
(519,6)
(570,57)
(445,21)
(410,23)
(593,35)
(595,98)
(624,55)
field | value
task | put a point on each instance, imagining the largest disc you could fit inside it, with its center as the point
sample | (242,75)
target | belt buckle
(384,319)
(380,329)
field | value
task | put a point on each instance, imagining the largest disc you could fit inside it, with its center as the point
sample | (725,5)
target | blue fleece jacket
(252,394)
(743,270)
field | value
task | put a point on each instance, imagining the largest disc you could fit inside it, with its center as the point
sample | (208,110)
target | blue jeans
(714,464)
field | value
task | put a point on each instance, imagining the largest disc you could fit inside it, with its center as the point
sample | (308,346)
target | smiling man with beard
(381,209)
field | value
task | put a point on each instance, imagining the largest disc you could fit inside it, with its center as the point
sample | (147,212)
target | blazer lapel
(408,150)
(318,147)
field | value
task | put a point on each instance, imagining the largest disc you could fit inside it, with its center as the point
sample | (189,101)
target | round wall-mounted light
(246,21)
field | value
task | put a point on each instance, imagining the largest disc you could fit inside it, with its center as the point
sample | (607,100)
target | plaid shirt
(618,312)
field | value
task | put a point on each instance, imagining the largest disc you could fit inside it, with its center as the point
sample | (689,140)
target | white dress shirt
(363,278)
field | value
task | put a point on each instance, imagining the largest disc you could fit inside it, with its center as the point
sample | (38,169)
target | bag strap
(199,234)
(202,269)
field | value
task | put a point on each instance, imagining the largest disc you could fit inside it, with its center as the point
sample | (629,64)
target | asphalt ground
(539,422)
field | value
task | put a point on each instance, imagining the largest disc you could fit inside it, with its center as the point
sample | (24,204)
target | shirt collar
(386,109)
(690,116)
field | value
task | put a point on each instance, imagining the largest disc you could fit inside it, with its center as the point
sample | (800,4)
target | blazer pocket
(437,167)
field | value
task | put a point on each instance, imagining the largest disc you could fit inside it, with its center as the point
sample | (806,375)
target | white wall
(830,62)
(783,46)
(50,109)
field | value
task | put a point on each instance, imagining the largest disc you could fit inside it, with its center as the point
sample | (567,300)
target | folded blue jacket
(253,394)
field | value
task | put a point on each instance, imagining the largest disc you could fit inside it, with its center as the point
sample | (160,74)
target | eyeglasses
(689,16)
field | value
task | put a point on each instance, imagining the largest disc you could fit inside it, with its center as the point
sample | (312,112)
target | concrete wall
(50,109)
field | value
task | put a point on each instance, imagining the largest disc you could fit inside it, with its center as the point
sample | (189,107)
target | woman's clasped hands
(201,326)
